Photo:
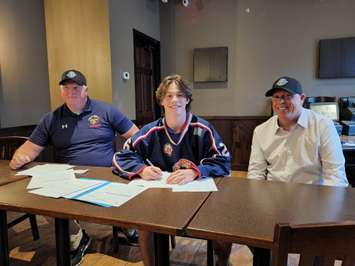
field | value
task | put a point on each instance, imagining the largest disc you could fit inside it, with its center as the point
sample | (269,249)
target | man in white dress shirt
(295,145)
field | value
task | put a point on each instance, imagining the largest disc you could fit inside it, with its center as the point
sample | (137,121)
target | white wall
(275,38)
(23,63)
(126,15)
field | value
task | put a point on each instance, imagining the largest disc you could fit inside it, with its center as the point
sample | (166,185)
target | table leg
(210,253)
(62,241)
(162,249)
(261,257)
(4,242)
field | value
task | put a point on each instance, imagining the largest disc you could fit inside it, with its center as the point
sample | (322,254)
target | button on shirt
(310,153)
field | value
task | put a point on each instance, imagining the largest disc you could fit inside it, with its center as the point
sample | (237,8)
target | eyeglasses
(285,97)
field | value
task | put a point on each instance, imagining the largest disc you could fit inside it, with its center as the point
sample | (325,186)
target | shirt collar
(302,121)
(87,109)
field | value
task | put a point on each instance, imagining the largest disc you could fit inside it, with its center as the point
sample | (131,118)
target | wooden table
(158,210)
(7,175)
(245,211)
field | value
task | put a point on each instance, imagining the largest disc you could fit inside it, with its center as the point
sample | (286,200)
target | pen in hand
(153,172)
(149,162)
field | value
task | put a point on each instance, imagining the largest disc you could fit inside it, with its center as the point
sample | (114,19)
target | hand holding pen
(151,172)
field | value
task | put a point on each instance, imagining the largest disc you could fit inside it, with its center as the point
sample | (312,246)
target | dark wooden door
(147,77)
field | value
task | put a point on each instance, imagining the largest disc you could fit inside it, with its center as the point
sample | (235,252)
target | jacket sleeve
(216,159)
(128,163)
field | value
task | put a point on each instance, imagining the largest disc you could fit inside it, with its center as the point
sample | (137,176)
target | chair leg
(210,255)
(115,239)
(172,241)
(34,227)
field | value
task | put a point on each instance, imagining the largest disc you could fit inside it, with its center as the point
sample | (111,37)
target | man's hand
(18,160)
(25,154)
(151,173)
(182,176)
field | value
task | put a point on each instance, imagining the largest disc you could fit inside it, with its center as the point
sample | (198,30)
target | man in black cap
(82,132)
(295,145)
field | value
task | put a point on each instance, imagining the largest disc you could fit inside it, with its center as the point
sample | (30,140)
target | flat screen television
(337,58)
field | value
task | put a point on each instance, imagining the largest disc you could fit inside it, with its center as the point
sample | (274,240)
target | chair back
(9,144)
(325,242)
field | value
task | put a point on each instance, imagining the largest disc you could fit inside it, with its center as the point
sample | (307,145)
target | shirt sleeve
(216,158)
(40,135)
(332,157)
(129,162)
(119,121)
(257,162)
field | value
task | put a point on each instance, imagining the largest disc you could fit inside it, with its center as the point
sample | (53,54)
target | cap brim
(273,90)
(64,80)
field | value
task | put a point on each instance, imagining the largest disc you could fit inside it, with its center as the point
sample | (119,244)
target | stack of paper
(58,180)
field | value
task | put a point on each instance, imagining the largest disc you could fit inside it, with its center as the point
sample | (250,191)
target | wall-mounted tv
(337,58)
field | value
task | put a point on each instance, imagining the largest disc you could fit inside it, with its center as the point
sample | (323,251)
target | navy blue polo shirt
(84,139)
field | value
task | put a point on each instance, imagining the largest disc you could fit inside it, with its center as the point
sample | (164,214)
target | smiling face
(74,95)
(174,101)
(288,107)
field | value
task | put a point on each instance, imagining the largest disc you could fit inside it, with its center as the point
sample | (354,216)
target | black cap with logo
(73,75)
(288,84)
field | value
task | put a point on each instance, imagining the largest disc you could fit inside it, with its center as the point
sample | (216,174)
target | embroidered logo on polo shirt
(94,121)
(64,126)
(168,149)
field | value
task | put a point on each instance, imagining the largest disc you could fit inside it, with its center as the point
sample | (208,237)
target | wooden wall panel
(237,133)
(78,37)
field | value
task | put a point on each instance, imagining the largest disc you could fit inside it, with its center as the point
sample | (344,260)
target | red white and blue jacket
(197,147)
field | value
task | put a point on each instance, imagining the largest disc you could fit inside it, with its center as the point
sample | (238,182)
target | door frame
(141,37)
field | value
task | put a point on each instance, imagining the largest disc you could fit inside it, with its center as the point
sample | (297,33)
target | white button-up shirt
(310,153)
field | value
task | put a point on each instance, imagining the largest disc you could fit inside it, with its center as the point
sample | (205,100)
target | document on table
(67,187)
(159,183)
(201,185)
(206,184)
(108,194)
(44,169)
(39,180)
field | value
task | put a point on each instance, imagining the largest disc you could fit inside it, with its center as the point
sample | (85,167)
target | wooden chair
(323,242)
(8,146)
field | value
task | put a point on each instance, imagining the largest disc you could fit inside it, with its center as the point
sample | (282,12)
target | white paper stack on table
(58,180)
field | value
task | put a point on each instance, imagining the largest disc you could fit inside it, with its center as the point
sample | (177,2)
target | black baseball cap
(73,75)
(288,84)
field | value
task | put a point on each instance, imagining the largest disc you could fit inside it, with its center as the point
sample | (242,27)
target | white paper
(159,183)
(44,168)
(201,185)
(80,171)
(112,194)
(67,187)
(50,178)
